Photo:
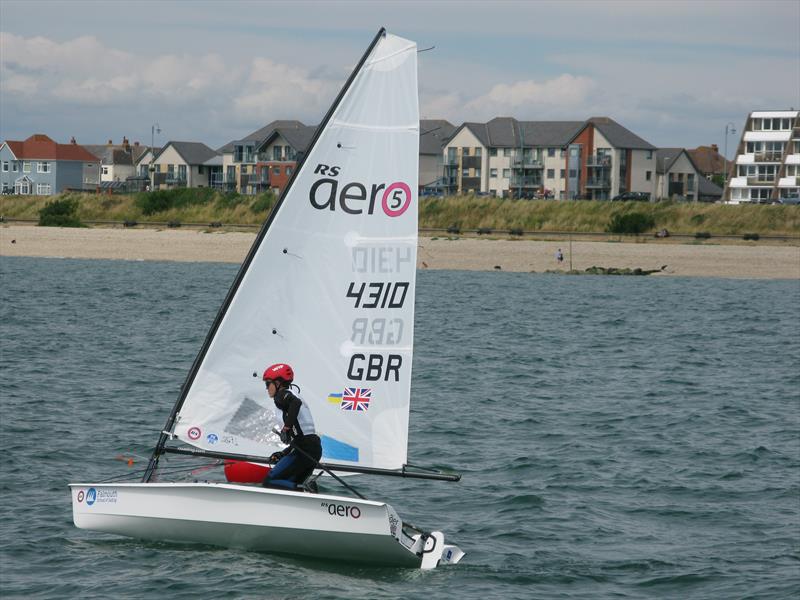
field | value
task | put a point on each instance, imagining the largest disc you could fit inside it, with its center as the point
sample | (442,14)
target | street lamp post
(729,130)
(154,129)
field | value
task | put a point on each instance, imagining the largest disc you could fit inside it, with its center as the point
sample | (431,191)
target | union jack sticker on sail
(356,399)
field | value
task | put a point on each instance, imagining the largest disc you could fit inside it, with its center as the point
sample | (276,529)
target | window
(105,170)
(477,172)
(506,173)
(276,153)
(44,167)
(26,167)
(5,166)
(288,171)
(477,152)
(170,171)
(506,151)
(492,172)
(43,189)
(182,172)
(563,153)
(573,173)
(551,173)
(649,155)
(492,151)
(465,151)
(551,152)
(648,175)
(493,193)
(14,166)
(563,173)
(276,171)
(465,172)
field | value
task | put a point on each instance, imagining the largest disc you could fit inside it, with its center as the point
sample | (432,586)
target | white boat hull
(256,518)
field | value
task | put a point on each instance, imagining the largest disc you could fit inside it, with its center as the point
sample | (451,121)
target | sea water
(618,437)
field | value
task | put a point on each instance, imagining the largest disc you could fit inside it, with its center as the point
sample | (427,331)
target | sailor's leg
(281,474)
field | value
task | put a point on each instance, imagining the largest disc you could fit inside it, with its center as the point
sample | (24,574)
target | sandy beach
(751,261)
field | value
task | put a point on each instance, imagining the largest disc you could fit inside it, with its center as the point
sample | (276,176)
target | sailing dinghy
(328,287)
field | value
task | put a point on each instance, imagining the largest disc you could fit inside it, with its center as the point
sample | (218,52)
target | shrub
(159,201)
(263,203)
(60,213)
(631,223)
(697,219)
(230,200)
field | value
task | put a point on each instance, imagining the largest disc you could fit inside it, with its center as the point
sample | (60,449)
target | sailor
(304,449)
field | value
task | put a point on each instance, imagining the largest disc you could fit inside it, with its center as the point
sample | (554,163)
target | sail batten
(329,288)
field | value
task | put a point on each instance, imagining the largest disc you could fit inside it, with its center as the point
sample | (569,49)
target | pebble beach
(691,259)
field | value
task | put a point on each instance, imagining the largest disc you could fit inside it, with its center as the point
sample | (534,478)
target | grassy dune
(467,212)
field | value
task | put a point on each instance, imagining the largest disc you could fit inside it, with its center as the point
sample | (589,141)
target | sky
(675,73)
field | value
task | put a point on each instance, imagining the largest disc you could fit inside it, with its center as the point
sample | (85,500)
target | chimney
(715,148)
(72,140)
(136,144)
(110,142)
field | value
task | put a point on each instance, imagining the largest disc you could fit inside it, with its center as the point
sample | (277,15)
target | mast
(198,361)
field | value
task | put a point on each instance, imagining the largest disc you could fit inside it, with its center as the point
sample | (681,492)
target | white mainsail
(330,288)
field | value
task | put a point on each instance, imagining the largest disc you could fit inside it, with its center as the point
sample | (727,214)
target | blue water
(618,437)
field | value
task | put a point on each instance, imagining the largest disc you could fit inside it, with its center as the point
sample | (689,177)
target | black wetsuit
(298,459)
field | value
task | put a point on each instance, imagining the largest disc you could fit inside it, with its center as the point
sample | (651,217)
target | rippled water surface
(618,437)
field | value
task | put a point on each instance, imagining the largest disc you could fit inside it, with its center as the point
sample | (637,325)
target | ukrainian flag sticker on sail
(335,398)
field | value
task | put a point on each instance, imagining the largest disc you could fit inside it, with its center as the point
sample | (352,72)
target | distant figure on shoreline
(559,256)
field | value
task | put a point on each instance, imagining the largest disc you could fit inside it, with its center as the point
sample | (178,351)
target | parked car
(790,200)
(637,196)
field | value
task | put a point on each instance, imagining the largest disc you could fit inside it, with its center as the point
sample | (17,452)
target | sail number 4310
(378,294)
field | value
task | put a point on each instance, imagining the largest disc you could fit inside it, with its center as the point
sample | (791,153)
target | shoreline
(693,259)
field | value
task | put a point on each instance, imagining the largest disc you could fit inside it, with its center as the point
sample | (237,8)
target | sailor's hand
(286,435)
(276,456)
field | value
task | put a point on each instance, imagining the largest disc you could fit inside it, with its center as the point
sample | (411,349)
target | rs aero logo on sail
(355,198)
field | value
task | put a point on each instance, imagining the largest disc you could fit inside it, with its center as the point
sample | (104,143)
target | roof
(299,138)
(708,188)
(40,146)
(194,153)
(117,154)
(617,135)
(666,157)
(259,135)
(708,160)
(507,132)
(433,135)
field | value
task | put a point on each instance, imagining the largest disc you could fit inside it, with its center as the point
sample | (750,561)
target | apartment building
(43,167)
(604,159)
(433,135)
(250,164)
(183,164)
(509,158)
(767,164)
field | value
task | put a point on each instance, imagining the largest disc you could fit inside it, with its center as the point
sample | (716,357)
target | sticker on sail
(194,433)
(81,495)
(212,438)
(334,398)
(356,399)
(334,449)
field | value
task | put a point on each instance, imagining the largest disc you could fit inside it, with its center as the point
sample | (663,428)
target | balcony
(526,162)
(526,182)
(598,161)
(775,156)
(598,184)
(761,180)
(451,161)
(470,162)
(253,180)
(175,181)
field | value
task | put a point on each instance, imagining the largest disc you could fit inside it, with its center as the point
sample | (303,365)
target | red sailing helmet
(279,371)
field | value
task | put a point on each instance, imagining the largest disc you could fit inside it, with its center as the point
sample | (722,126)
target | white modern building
(767,164)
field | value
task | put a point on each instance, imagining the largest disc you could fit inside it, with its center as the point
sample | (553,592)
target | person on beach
(559,256)
(303,447)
